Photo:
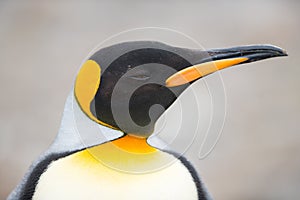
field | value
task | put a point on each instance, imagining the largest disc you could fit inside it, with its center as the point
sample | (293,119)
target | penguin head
(128,86)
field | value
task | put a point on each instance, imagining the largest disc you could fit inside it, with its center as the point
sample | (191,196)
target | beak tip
(280,51)
(284,52)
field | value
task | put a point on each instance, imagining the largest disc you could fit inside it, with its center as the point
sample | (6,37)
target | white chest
(81,176)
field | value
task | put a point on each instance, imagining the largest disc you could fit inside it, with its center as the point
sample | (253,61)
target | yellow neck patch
(133,144)
(128,154)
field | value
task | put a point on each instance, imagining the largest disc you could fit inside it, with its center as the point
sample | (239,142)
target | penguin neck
(133,144)
(128,154)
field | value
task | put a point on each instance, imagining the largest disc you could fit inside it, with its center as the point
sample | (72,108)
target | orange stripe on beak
(197,71)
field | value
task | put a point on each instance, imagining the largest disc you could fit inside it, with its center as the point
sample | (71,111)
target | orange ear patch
(86,86)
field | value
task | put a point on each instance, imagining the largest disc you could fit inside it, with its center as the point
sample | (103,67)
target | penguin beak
(223,58)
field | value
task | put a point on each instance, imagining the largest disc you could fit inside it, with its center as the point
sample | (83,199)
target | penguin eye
(140,77)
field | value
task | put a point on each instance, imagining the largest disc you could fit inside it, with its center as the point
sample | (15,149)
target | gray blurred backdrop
(42,44)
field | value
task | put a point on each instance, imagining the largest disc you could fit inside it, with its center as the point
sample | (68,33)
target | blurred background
(42,44)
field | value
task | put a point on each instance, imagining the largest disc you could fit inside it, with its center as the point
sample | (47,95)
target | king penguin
(116,92)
